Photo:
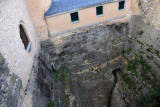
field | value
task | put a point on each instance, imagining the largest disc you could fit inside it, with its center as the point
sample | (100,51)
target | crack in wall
(111,91)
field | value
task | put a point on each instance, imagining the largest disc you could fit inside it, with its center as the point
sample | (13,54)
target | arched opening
(25,40)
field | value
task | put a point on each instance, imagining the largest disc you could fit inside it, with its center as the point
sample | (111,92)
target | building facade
(61,19)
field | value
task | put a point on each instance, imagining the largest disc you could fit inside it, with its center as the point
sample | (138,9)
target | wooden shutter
(121,5)
(99,10)
(74,16)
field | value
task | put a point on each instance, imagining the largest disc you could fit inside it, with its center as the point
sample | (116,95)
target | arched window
(25,40)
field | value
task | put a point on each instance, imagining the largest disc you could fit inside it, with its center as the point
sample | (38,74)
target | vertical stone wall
(12,14)
(134,7)
(150,10)
(140,79)
(84,61)
(10,85)
(36,9)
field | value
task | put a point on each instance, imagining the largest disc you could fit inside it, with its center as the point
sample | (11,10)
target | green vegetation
(140,78)
(51,104)
(97,49)
(62,76)
(64,71)
(56,60)
(126,51)
(139,3)
(140,32)
(123,51)
(142,52)
(126,78)
(144,101)
(146,79)
(138,41)
(130,66)
(157,53)
(55,76)
(129,41)
(148,49)
(65,100)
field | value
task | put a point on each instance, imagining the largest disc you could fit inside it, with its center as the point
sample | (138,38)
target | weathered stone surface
(149,10)
(10,85)
(140,79)
(91,46)
(85,61)
(40,86)
(89,57)
(117,99)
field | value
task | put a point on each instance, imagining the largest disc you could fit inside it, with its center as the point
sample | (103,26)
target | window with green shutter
(121,5)
(99,10)
(74,17)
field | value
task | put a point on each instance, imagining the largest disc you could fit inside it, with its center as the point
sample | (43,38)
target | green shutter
(99,10)
(74,16)
(121,5)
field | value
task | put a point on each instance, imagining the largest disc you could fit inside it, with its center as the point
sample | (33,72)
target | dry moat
(100,66)
(110,64)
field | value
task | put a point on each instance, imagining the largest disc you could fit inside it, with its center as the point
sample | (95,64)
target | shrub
(51,104)
(140,32)
(148,49)
(55,76)
(130,66)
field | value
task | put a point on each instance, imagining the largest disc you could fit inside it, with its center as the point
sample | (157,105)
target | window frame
(102,11)
(124,5)
(72,22)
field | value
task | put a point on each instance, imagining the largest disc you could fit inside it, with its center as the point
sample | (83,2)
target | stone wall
(40,87)
(149,9)
(36,9)
(86,46)
(140,79)
(93,65)
(84,62)
(14,13)
(10,85)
